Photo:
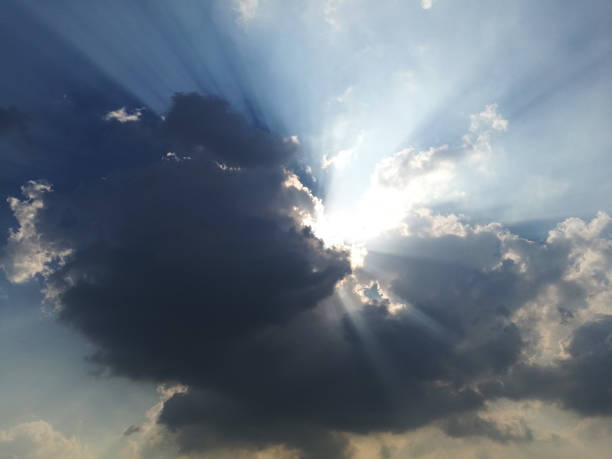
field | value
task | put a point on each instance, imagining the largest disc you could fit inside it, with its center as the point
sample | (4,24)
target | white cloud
(573,267)
(343,157)
(171,156)
(404,181)
(339,160)
(245,10)
(427,4)
(488,119)
(477,142)
(330,12)
(151,439)
(292,139)
(38,440)
(400,183)
(27,253)
(405,166)
(407,181)
(123,116)
(584,292)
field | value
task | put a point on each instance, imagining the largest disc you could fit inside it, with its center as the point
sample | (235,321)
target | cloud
(202,272)
(70,142)
(190,257)
(245,10)
(411,179)
(488,293)
(343,157)
(477,142)
(132,429)
(554,433)
(578,382)
(27,253)
(331,13)
(123,116)
(399,183)
(149,439)
(488,119)
(339,160)
(38,440)
(171,156)
(427,4)
(473,425)
(196,122)
(406,165)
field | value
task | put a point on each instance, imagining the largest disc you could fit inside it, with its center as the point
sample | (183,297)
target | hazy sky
(305,229)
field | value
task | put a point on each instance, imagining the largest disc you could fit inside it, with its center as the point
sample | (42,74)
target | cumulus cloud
(406,165)
(191,257)
(123,116)
(209,124)
(27,253)
(411,179)
(399,183)
(204,272)
(38,440)
(549,346)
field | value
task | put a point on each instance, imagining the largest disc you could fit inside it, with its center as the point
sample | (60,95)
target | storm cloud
(197,269)
(183,251)
(199,242)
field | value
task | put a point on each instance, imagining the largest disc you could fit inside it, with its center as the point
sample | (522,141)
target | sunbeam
(305,229)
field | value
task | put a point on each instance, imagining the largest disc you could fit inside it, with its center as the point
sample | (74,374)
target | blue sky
(219,215)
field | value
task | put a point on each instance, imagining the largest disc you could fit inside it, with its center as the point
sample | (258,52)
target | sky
(305,229)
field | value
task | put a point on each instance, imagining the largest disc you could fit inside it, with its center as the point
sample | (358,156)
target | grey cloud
(196,272)
(206,422)
(132,429)
(473,425)
(209,122)
(580,382)
(177,267)
(473,291)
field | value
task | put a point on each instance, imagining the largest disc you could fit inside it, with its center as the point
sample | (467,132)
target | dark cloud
(15,145)
(179,266)
(473,425)
(132,429)
(303,383)
(209,123)
(580,383)
(218,247)
(57,131)
(204,421)
(195,271)
(464,292)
